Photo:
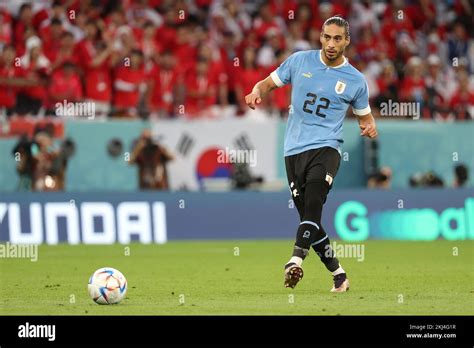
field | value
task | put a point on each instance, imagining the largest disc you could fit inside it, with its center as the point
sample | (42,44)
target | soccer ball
(107,286)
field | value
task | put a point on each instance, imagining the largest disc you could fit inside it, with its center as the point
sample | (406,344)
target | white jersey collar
(333,67)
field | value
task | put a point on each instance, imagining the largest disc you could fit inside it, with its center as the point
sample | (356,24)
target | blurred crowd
(382,178)
(198,58)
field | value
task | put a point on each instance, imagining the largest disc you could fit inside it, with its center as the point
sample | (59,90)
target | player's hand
(368,130)
(252,100)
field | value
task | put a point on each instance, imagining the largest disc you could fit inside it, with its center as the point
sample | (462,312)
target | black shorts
(310,166)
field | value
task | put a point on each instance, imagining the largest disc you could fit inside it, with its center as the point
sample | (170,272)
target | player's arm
(367,126)
(260,91)
(361,108)
(281,76)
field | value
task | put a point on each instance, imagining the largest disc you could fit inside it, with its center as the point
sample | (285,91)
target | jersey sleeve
(282,75)
(360,103)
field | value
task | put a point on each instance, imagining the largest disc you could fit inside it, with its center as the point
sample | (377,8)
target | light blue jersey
(319,100)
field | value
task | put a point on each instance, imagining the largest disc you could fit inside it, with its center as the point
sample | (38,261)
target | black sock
(300,252)
(323,248)
(307,233)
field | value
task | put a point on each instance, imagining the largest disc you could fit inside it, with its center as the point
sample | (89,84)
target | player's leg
(316,193)
(303,167)
(318,184)
(293,270)
(294,184)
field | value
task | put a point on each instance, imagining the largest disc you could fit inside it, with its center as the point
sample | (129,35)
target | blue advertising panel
(149,217)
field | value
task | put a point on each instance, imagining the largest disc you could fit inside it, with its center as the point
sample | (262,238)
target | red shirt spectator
(462,102)
(127,82)
(217,68)
(8,70)
(85,49)
(35,67)
(280,97)
(65,85)
(282,8)
(40,16)
(229,60)
(66,52)
(247,78)
(250,40)
(421,13)
(8,95)
(265,22)
(163,80)
(392,27)
(5,28)
(367,45)
(96,62)
(412,87)
(38,91)
(148,44)
(51,37)
(200,90)
(113,22)
(166,34)
(23,24)
(99,83)
(384,83)
(183,50)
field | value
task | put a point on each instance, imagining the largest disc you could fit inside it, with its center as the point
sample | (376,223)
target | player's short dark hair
(340,22)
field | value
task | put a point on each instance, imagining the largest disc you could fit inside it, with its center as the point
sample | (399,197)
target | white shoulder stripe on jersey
(276,79)
(362,112)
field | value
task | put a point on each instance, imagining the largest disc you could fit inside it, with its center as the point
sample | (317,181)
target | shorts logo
(329,178)
(340,87)
(306,234)
(295,191)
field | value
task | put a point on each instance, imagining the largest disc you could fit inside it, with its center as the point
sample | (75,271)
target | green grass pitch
(215,278)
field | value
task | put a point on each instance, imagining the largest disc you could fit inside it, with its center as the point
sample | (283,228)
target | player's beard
(333,57)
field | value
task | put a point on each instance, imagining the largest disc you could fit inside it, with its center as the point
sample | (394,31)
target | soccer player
(324,84)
